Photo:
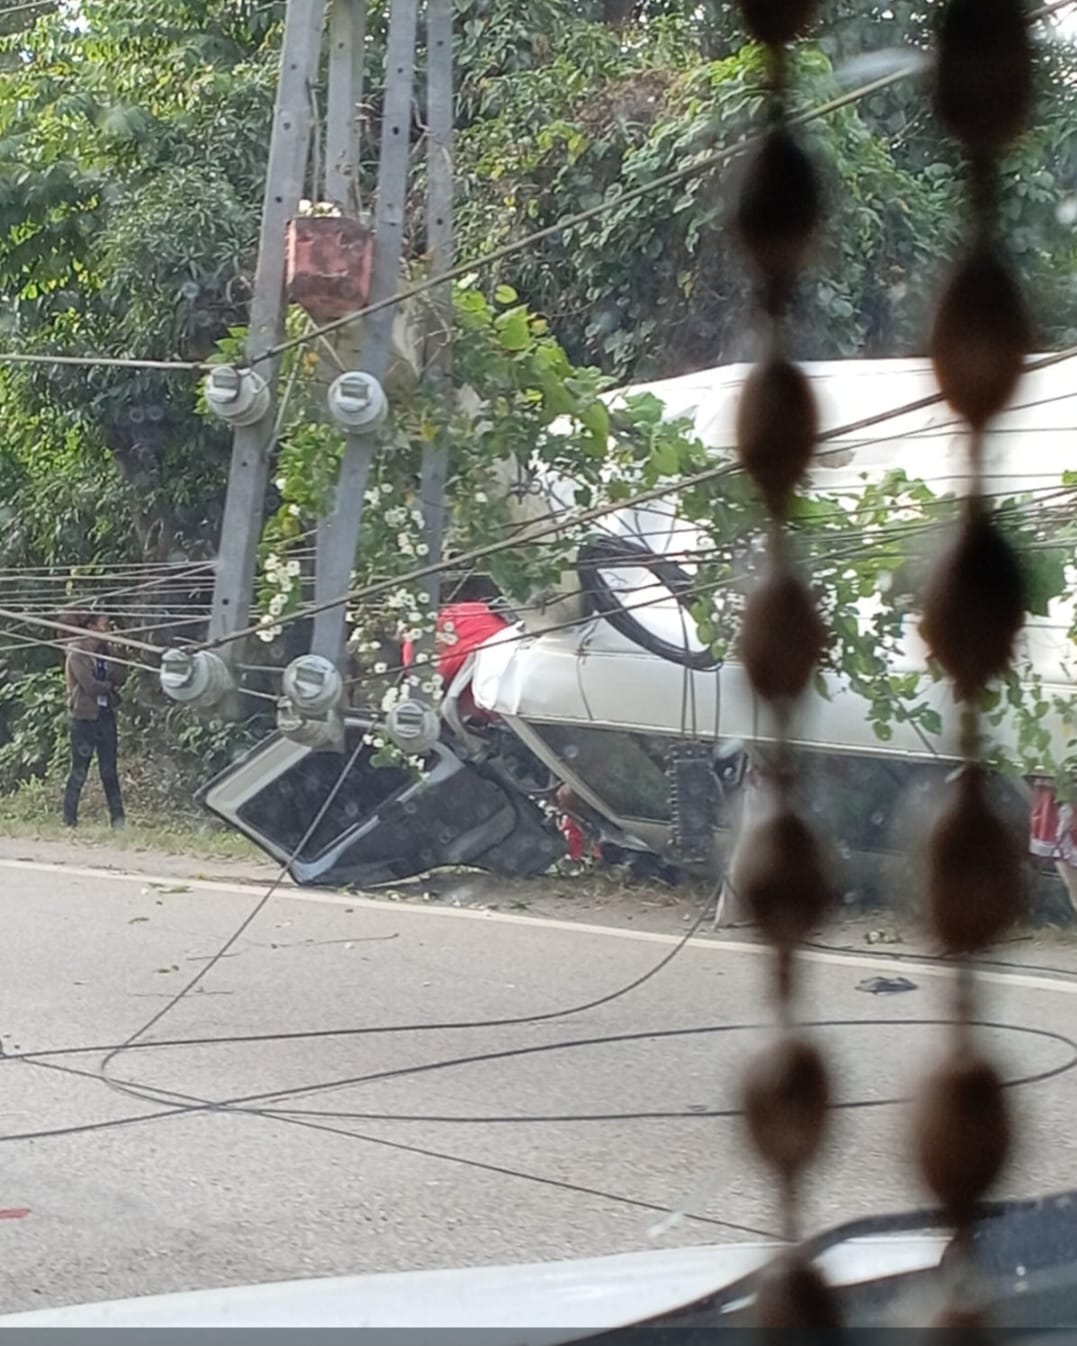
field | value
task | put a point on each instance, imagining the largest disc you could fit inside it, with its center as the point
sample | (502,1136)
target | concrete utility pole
(246,397)
(440,245)
(347,39)
(253,442)
(338,532)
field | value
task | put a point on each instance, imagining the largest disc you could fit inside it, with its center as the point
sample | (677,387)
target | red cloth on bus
(459,630)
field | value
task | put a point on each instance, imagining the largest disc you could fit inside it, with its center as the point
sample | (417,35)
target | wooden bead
(786,1094)
(782,636)
(974,870)
(776,22)
(962,1320)
(781,873)
(981,336)
(984,80)
(974,607)
(962,1134)
(778,209)
(955,1326)
(777,427)
(793,1296)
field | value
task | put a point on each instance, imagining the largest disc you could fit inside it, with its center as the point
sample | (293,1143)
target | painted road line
(699,943)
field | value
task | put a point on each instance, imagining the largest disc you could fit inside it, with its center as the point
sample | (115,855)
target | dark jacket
(83,686)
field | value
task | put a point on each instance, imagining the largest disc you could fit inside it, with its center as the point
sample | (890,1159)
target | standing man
(93,682)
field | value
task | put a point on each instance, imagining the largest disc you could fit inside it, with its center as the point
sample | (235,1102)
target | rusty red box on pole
(329,263)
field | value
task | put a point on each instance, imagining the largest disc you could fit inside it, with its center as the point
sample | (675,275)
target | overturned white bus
(609,696)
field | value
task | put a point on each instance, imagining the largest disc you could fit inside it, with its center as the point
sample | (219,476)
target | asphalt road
(529,1152)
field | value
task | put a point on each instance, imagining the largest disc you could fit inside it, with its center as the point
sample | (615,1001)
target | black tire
(601,601)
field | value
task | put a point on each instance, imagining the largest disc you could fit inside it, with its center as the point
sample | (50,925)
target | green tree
(132,150)
(129,199)
(656,287)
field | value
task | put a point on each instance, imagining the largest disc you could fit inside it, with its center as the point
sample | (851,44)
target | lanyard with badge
(100,672)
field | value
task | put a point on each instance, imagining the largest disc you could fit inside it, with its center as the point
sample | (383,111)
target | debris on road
(886,985)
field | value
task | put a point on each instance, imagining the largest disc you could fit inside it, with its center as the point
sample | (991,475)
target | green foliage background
(133,139)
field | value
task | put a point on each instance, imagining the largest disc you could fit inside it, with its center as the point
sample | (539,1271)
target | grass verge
(175,827)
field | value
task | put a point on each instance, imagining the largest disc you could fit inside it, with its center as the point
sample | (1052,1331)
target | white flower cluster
(283,576)
(409,613)
(431,687)
(408,544)
(389,750)
(319,208)
(407,523)
(360,642)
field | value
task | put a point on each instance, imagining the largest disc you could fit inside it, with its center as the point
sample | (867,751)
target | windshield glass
(285,809)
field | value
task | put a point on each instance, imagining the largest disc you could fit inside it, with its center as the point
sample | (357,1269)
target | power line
(1050,488)
(175,571)
(194,1104)
(104,571)
(8,10)
(862,546)
(115,638)
(514,1021)
(696,590)
(181,1103)
(926,433)
(842,1105)
(103,361)
(694,167)
(439,1026)
(39,643)
(511,1053)
(503,1170)
(237,934)
(660,492)
(714,159)
(701,164)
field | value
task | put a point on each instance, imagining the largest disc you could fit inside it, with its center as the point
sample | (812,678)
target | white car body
(541,1304)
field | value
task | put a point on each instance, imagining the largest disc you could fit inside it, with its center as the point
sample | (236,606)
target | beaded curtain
(972,612)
